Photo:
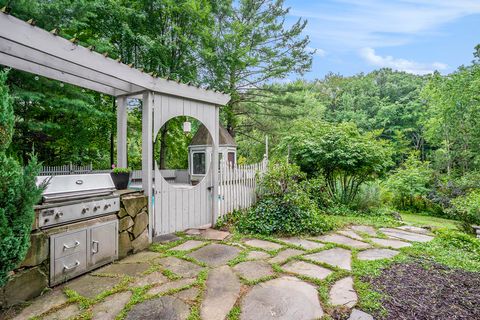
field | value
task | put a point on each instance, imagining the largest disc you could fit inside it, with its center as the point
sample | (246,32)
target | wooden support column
(147,155)
(215,166)
(122,117)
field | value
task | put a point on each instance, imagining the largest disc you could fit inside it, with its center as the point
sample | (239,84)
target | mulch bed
(421,290)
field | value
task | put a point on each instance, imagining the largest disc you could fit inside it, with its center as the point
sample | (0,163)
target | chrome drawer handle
(65,247)
(95,244)
(77,263)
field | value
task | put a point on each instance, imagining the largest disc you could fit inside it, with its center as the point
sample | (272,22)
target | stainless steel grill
(71,198)
(84,246)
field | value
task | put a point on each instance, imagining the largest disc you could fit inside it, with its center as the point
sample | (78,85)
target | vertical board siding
(177,208)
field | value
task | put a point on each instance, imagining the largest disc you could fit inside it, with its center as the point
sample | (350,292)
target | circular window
(182,151)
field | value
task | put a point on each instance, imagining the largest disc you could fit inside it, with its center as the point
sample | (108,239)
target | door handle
(95,246)
(77,263)
(76,244)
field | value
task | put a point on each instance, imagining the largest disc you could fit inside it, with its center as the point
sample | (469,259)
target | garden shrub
(466,209)
(409,184)
(18,193)
(284,207)
(344,155)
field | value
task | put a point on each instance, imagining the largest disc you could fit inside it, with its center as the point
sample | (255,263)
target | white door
(177,208)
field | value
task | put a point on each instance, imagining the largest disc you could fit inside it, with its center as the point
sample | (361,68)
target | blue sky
(416,36)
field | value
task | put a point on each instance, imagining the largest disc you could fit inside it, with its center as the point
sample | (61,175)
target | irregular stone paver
(376,254)
(193,232)
(351,234)
(253,270)
(188,295)
(339,239)
(65,313)
(215,254)
(342,293)
(223,289)
(90,286)
(365,229)
(337,257)
(285,298)
(179,266)
(392,243)
(265,245)
(307,269)
(212,234)
(305,244)
(282,256)
(257,255)
(189,245)
(414,229)
(166,307)
(171,285)
(359,315)
(405,235)
(155,277)
(141,257)
(42,304)
(111,306)
(121,269)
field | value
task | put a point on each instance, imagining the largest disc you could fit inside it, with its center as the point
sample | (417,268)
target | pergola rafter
(32,49)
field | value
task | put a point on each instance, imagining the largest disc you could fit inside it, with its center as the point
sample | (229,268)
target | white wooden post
(215,167)
(122,132)
(147,155)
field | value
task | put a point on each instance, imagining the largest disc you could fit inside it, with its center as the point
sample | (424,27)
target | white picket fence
(66,169)
(237,185)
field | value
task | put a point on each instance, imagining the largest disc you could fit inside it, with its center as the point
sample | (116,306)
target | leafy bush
(316,188)
(284,207)
(409,184)
(18,194)
(466,209)
(342,154)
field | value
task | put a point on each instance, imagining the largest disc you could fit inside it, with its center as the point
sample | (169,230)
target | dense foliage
(283,208)
(353,136)
(409,184)
(18,193)
(344,156)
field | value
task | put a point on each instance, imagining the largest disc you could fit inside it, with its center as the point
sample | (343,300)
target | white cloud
(400,64)
(379,23)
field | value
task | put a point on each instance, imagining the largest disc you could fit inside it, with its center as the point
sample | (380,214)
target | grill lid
(68,187)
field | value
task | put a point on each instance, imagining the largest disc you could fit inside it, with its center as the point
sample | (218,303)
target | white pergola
(26,47)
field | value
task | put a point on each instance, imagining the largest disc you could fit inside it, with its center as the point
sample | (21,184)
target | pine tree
(18,193)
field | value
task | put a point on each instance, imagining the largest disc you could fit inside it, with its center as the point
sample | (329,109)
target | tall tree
(253,45)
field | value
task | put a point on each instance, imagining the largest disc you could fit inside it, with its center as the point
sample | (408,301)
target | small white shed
(201,148)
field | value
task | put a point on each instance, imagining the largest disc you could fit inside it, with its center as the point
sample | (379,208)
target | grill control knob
(96,208)
(107,206)
(85,210)
(58,215)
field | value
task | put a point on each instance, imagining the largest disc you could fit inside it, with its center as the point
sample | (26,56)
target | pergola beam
(62,65)
(73,55)
(50,73)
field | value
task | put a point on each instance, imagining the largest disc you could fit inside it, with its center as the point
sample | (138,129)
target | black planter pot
(121,179)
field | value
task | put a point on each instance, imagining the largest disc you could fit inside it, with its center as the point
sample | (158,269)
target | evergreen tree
(18,193)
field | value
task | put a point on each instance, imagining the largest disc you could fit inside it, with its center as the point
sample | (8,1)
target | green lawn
(429,221)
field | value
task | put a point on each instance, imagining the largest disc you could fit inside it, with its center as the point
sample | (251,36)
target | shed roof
(203,137)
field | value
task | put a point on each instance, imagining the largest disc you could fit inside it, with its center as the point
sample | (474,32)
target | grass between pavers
(420,220)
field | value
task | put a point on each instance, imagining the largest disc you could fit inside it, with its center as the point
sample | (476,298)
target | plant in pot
(120,177)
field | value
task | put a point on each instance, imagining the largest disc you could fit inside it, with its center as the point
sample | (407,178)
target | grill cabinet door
(103,243)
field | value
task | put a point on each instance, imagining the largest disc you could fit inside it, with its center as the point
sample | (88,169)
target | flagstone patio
(200,277)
